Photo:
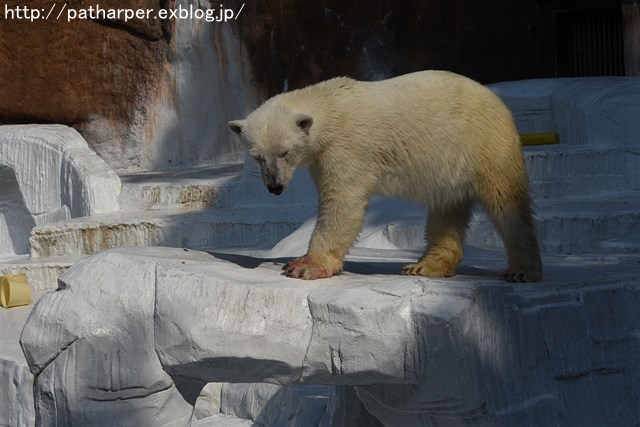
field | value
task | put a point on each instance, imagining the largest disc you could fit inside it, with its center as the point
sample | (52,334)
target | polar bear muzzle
(275,174)
(276,189)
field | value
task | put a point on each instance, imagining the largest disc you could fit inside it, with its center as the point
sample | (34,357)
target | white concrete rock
(113,322)
(206,82)
(48,173)
(133,336)
(182,189)
(289,406)
(16,381)
(42,274)
(581,110)
(233,227)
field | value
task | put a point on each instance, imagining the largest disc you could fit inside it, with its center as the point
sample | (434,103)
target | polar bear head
(278,139)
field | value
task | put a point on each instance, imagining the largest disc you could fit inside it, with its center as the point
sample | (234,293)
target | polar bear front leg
(340,218)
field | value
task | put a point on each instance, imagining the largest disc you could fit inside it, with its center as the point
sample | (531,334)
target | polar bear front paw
(306,268)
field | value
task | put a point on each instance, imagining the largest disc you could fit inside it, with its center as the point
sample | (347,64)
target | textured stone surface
(286,406)
(153,326)
(182,189)
(146,94)
(16,393)
(592,110)
(234,227)
(124,367)
(48,174)
(42,273)
(206,82)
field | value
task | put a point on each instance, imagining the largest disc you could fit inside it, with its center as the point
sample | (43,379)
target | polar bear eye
(284,154)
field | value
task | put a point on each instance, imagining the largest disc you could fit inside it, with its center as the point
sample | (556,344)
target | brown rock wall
(81,72)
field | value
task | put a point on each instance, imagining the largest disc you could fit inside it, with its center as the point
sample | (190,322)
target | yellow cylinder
(15,290)
(539,138)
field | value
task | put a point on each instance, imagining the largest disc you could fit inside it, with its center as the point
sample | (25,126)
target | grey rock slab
(229,227)
(185,189)
(16,381)
(141,324)
(133,335)
(581,110)
(91,347)
(48,173)
(54,166)
(272,405)
(251,324)
(527,356)
(42,273)
(221,420)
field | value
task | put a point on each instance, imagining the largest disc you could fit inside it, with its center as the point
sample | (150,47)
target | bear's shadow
(389,268)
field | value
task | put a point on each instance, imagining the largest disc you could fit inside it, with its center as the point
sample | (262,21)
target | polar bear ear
(236,126)
(304,122)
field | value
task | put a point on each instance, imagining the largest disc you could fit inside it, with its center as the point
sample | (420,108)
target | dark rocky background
(302,42)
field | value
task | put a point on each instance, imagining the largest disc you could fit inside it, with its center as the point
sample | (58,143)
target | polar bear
(433,137)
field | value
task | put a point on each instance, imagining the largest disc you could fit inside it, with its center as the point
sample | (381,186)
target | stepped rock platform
(132,336)
(48,174)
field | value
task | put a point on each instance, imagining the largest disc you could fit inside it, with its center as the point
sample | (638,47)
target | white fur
(433,137)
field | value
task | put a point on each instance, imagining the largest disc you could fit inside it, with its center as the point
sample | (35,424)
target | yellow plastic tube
(15,290)
(539,138)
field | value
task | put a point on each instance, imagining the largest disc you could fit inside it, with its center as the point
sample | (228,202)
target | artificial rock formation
(49,174)
(132,336)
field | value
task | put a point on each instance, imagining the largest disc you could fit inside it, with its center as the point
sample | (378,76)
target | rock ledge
(133,335)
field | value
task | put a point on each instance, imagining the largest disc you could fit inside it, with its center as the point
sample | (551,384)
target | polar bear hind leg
(508,205)
(445,233)
(506,201)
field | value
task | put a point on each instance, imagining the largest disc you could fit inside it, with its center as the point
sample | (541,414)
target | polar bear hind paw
(428,269)
(522,275)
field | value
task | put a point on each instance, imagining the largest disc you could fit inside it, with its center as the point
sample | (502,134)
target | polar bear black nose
(275,189)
